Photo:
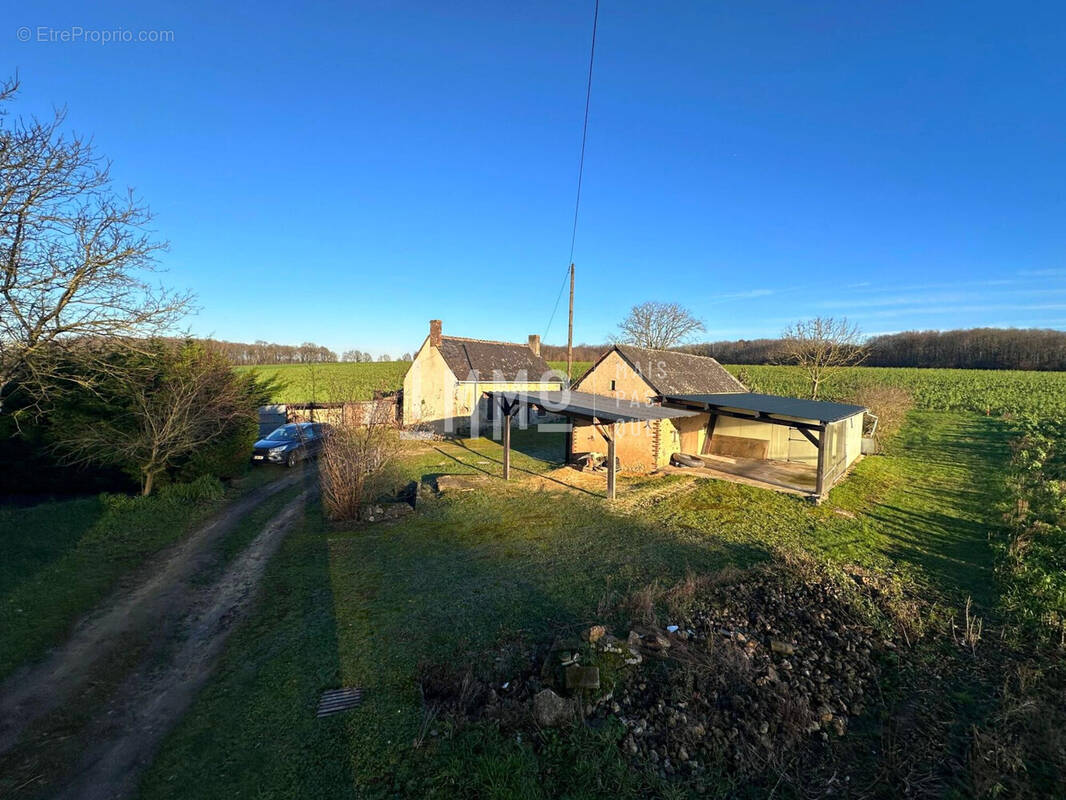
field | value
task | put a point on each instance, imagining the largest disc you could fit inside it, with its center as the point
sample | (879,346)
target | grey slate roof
(670,372)
(481,360)
(598,406)
(817,410)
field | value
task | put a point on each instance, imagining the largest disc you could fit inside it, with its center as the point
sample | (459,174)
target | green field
(981,391)
(323,383)
(989,392)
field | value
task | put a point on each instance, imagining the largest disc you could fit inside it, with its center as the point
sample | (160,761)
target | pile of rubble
(748,673)
(756,669)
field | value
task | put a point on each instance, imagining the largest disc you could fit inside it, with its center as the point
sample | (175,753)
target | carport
(605,413)
(822,423)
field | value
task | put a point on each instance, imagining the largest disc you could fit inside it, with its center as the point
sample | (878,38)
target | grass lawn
(58,559)
(505,564)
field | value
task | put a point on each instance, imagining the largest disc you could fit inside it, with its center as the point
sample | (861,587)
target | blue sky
(344,172)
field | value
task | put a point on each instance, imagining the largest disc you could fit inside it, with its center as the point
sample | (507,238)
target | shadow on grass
(32,538)
(499,567)
(471,583)
(498,460)
(253,729)
(547,446)
(942,519)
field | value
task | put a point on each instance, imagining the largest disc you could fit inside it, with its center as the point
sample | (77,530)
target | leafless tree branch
(821,347)
(658,326)
(75,255)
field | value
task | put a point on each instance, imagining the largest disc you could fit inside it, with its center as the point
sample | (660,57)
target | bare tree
(75,255)
(354,461)
(821,347)
(158,418)
(658,326)
(311,380)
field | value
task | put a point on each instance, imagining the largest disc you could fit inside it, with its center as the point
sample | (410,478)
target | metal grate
(336,700)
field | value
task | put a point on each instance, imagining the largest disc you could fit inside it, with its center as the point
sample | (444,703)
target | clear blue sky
(345,172)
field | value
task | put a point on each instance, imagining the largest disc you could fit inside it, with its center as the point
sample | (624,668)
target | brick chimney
(534,344)
(434,333)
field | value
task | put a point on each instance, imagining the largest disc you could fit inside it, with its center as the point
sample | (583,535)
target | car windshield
(286,433)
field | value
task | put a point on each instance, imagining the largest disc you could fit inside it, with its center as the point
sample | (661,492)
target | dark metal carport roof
(596,406)
(815,410)
(604,412)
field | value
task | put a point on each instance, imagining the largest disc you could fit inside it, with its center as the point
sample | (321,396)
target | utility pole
(570,332)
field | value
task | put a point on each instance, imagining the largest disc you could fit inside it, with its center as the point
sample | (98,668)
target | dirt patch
(129,729)
(180,621)
(738,677)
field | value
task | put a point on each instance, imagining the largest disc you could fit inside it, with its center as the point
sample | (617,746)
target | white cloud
(1043,273)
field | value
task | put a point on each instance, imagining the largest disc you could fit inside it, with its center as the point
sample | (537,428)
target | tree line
(263,353)
(973,348)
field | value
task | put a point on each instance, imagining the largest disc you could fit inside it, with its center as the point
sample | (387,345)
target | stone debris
(782,647)
(460,483)
(582,677)
(595,633)
(756,668)
(378,512)
(552,711)
(768,663)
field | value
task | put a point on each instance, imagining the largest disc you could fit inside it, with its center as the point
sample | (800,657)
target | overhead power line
(584,129)
(580,164)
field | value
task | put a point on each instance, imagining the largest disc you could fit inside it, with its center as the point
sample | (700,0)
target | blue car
(290,444)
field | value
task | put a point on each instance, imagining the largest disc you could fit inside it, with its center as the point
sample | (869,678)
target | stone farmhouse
(444,388)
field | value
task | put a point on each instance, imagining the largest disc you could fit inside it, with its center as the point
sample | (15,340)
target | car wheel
(291,459)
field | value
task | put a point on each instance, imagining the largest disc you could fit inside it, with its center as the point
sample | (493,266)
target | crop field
(324,383)
(988,392)
(980,391)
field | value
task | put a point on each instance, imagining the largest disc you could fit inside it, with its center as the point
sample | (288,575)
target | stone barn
(802,445)
(635,375)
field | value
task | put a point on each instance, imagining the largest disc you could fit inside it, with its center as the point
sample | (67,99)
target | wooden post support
(570,333)
(507,407)
(823,453)
(712,421)
(611,461)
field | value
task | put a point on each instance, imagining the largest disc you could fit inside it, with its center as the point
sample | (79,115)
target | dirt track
(187,621)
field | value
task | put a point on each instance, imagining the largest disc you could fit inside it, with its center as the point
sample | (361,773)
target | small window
(612,385)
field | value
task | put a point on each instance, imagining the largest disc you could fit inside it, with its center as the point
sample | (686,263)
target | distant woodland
(976,348)
(260,353)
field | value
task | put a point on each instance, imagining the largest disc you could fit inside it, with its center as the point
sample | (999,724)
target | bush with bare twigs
(889,404)
(355,459)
